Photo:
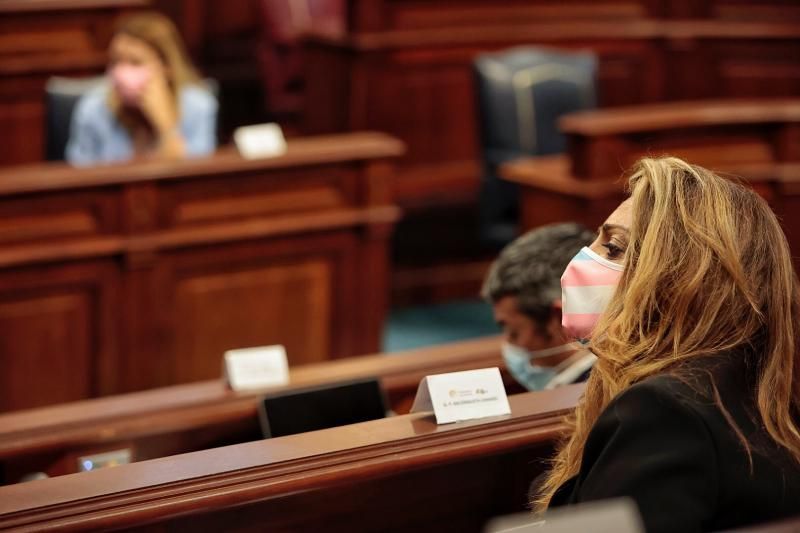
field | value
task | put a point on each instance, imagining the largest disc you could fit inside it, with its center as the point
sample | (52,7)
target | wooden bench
(135,276)
(397,474)
(197,416)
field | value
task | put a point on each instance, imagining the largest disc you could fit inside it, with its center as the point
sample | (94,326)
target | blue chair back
(521,94)
(61,96)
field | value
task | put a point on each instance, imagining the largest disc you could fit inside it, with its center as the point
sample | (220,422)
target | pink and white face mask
(587,285)
(130,82)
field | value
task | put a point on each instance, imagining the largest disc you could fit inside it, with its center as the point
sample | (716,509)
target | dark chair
(521,94)
(61,95)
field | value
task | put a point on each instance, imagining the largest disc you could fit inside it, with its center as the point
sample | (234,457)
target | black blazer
(665,443)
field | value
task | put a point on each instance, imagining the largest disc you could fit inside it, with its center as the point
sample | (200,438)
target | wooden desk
(754,139)
(549,193)
(198,416)
(141,275)
(398,474)
(602,144)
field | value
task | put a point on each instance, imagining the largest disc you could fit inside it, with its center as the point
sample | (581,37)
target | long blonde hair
(707,270)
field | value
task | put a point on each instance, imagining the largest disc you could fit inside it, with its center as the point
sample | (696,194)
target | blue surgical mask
(519,363)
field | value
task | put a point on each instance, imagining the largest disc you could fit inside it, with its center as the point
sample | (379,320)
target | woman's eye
(614,251)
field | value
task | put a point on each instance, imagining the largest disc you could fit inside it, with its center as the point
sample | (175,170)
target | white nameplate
(256,368)
(462,395)
(259,141)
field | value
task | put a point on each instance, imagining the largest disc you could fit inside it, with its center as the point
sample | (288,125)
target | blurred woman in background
(692,407)
(154,104)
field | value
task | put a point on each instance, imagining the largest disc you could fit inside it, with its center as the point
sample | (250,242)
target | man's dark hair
(530,267)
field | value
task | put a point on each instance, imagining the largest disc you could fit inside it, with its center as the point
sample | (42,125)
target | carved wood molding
(630,30)
(301,152)
(674,115)
(14,6)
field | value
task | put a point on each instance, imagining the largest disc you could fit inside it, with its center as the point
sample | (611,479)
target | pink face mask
(587,285)
(129,82)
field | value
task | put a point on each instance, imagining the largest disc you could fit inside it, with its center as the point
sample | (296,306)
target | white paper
(462,395)
(259,141)
(256,368)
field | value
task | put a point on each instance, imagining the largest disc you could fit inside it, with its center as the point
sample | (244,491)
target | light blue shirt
(96,136)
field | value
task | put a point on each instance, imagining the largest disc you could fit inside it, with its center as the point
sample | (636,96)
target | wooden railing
(397,474)
(185,418)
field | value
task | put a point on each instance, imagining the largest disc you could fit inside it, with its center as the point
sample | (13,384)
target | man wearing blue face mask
(523,285)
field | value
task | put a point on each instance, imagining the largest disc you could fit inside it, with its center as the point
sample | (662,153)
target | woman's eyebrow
(611,227)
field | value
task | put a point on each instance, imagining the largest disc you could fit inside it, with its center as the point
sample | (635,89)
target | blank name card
(256,368)
(260,141)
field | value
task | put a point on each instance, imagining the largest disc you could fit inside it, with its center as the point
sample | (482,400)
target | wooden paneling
(59,344)
(768,67)
(303,190)
(178,262)
(54,322)
(436,122)
(222,39)
(774,10)
(381,475)
(26,120)
(629,72)
(252,305)
(475,489)
(415,14)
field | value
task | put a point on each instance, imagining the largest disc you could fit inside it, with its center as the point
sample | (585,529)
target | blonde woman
(154,105)
(692,408)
